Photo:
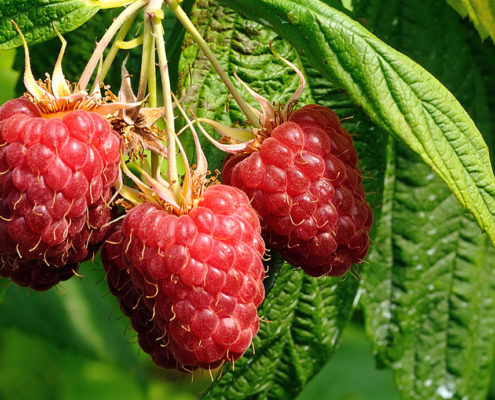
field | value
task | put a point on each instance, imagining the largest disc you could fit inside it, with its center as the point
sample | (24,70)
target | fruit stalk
(147,76)
(167,102)
(187,23)
(147,53)
(105,40)
(153,103)
(107,63)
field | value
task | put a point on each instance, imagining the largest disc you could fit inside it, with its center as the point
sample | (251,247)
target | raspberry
(150,337)
(36,275)
(307,189)
(56,177)
(197,277)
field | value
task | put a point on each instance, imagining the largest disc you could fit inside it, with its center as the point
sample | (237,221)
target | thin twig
(105,40)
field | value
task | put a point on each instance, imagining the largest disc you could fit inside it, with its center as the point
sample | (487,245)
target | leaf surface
(35,19)
(481,13)
(429,288)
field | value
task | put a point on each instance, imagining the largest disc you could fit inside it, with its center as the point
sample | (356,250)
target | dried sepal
(194,183)
(29,80)
(60,86)
(136,124)
(237,140)
(201,169)
(302,82)
(227,147)
(55,95)
(237,134)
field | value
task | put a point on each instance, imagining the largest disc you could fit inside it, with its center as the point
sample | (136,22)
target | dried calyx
(55,96)
(136,125)
(270,116)
(158,190)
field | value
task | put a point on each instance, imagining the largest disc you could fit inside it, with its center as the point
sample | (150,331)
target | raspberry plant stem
(147,76)
(107,63)
(173,175)
(147,54)
(105,40)
(152,102)
(186,22)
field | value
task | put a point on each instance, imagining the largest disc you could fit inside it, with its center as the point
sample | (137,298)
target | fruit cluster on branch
(183,255)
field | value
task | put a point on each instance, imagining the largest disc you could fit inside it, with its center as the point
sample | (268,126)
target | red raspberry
(56,177)
(150,336)
(36,275)
(307,189)
(199,275)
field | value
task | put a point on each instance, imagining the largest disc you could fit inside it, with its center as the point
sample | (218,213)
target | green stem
(186,22)
(105,41)
(172,172)
(152,102)
(147,55)
(115,48)
(130,195)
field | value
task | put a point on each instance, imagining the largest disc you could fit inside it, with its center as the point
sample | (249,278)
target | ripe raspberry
(199,275)
(150,337)
(307,189)
(56,177)
(36,275)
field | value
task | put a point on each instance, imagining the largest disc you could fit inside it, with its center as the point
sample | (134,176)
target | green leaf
(481,12)
(305,316)
(429,288)
(35,19)
(397,93)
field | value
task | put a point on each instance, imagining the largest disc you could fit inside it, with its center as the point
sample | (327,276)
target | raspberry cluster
(190,283)
(186,263)
(56,178)
(305,184)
